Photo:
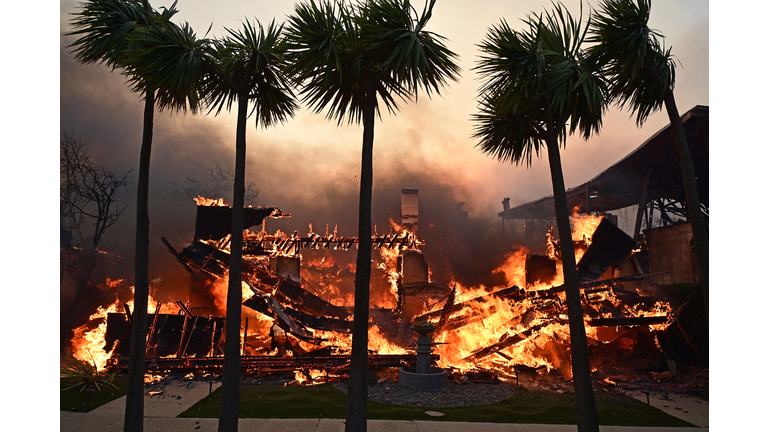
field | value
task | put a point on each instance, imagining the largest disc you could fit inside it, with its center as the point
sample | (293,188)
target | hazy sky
(309,165)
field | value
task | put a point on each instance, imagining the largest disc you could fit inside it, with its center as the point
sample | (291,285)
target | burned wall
(670,253)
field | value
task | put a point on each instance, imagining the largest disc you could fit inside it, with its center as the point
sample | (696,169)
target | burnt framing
(648,178)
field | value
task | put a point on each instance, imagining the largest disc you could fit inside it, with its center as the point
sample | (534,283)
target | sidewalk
(160,413)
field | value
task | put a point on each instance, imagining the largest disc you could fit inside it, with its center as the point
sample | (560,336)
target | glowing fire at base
(491,328)
(88,341)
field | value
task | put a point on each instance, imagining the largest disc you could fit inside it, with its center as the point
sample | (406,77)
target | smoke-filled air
(309,166)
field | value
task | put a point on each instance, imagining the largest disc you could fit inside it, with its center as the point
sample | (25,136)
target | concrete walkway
(160,413)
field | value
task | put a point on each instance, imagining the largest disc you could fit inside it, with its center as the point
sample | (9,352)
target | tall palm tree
(537,90)
(346,58)
(641,73)
(247,67)
(109,32)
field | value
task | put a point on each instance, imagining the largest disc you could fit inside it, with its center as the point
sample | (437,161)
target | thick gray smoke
(97,106)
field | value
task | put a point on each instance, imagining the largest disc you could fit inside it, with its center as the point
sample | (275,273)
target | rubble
(493,331)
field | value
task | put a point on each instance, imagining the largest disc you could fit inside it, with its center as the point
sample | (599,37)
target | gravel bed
(452,395)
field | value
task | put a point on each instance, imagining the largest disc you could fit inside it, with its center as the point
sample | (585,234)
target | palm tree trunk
(357,387)
(134,402)
(699,228)
(230,384)
(586,409)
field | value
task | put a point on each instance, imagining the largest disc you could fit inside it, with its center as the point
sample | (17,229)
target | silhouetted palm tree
(247,69)
(346,58)
(536,91)
(641,74)
(111,32)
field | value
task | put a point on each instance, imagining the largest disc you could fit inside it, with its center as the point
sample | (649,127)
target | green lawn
(525,406)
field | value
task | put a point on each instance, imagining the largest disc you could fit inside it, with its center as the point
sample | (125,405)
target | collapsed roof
(622,184)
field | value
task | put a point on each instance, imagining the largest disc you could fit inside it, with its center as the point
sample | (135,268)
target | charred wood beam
(292,321)
(504,342)
(642,204)
(515,293)
(183,335)
(212,351)
(179,258)
(505,293)
(628,321)
(269,306)
(632,301)
(183,352)
(245,337)
(152,328)
(597,290)
(268,362)
(614,281)
(448,308)
(128,314)
(320,323)
(282,244)
(213,261)
(184,308)
(459,322)
(118,342)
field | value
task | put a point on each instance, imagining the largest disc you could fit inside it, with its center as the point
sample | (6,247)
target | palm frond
(325,54)
(397,43)
(154,53)
(535,82)
(505,134)
(631,55)
(169,59)
(250,62)
(102,27)
(337,50)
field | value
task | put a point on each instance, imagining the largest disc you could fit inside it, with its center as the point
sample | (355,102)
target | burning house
(295,317)
(297,311)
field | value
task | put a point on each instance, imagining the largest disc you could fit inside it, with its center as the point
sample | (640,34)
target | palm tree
(109,32)
(641,73)
(247,66)
(346,57)
(537,90)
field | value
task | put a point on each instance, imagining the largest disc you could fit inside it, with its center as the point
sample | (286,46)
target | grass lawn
(80,401)
(525,406)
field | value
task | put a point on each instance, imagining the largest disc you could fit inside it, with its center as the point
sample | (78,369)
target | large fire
(88,342)
(478,328)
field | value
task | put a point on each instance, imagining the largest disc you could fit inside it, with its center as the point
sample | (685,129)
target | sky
(308,166)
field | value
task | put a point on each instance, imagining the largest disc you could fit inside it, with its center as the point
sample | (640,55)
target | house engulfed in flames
(295,317)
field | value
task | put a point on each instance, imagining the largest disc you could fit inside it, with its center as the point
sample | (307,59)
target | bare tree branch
(87,190)
(220,186)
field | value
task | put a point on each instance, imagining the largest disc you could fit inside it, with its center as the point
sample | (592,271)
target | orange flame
(208,202)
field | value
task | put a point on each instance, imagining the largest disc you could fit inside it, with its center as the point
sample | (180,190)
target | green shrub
(81,374)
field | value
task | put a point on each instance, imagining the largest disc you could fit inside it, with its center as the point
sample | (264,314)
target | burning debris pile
(298,316)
